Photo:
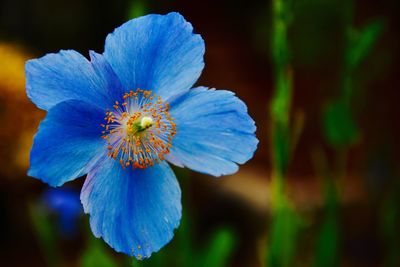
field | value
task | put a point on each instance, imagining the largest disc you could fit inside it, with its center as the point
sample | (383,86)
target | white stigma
(146,122)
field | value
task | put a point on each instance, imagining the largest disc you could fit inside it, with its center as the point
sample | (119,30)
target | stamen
(139,131)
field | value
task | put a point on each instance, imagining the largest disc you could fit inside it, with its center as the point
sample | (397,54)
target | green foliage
(96,255)
(137,9)
(283,235)
(339,126)
(285,221)
(327,244)
(361,42)
(359,45)
(281,148)
(219,249)
(279,46)
(341,131)
(390,217)
(282,98)
(45,233)
(280,107)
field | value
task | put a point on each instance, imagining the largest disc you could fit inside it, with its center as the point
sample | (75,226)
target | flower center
(139,125)
(139,130)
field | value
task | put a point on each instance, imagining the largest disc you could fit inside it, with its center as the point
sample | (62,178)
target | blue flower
(101,124)
(65,203)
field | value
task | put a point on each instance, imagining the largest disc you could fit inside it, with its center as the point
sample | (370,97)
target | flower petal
(108,81)
(55,78)
(156,52)
(67,143)
(134,211)
(214,132)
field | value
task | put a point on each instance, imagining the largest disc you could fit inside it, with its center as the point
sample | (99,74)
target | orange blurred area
(17,113)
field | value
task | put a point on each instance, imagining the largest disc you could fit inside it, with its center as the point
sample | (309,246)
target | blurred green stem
(285,223)
(46,235)
(280,106)
(328,238)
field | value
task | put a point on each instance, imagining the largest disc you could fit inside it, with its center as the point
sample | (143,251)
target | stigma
(146,122)
(139,131)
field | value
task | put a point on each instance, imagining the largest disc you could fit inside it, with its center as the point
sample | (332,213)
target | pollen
(139,131)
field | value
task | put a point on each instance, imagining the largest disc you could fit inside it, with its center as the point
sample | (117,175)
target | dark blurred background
(320,80)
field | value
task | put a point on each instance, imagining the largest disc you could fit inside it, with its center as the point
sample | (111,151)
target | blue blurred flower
(66,204)
(100,124)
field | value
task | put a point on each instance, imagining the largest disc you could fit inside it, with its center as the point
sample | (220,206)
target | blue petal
(67,143)
(156,52)
(67,75)
(107,79)
(66,204)
(134,211)
(214,132)
(64,201)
